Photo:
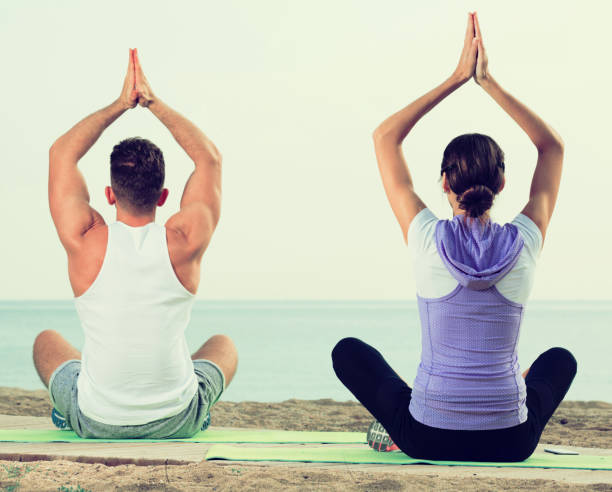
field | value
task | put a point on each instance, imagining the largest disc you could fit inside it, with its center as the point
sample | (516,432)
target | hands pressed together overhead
(473,61)
(136,88)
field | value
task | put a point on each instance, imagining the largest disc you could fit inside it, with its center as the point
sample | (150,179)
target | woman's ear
(503,183)
(445,187)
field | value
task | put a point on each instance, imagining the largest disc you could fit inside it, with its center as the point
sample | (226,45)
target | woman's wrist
(487,82)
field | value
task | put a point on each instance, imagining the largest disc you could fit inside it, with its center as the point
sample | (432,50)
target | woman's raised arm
(390,134)
(547,174)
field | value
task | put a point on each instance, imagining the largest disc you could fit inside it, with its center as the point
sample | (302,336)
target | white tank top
(136,367)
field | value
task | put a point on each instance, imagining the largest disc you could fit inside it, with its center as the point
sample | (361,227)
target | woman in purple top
(469,400)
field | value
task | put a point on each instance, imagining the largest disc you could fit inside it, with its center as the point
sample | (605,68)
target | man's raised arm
(68,195)
(201,200)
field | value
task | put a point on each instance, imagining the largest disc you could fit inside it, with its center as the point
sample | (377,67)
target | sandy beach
(576,423)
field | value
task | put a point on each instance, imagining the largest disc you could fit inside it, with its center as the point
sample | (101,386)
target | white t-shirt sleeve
(421,233)
(532,236)
(432,278)
(517,284)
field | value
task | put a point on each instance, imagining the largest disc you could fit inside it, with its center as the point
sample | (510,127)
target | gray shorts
(64,396)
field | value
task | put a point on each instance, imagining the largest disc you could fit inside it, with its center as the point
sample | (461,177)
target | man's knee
(221,350)
(43,339)
(223,347)
(223,340)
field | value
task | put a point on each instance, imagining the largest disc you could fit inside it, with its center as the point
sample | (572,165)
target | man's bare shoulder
(191,228)
(186,266)
(85,260)
(176,239)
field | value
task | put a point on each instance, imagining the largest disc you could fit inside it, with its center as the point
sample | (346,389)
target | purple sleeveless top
(469,376)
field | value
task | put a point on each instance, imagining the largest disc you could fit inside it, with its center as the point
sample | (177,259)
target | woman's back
(469,400)
(469,377)
(433,278)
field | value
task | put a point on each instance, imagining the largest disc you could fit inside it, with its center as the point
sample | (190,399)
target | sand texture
(575,423)
(585,424)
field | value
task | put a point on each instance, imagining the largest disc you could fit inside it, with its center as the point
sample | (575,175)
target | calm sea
(285,346)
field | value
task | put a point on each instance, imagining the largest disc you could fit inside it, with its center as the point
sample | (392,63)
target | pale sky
(290,92)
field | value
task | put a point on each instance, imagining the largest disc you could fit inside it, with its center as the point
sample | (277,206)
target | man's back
(136,367)
(85,260)
(134,282)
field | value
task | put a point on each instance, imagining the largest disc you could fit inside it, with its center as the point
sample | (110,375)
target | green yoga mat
(210,435)
(337,454)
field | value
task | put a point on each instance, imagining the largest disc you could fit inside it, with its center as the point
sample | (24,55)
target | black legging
(364,371)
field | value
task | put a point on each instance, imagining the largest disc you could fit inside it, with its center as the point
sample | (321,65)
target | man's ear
(163,197)
(110,195)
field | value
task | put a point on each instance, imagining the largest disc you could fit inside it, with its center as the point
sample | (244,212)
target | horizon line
(306,299)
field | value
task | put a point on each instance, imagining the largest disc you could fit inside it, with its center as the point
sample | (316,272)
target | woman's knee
(562,359)
(347,356)
(344,348)
(557,366)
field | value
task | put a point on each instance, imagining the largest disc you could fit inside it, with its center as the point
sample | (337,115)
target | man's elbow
(210,158)
(56,150)
(53,150)
(217,155)
(213,155)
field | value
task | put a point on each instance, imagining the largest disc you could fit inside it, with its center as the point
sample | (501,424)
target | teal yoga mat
(210,435)
(338,454)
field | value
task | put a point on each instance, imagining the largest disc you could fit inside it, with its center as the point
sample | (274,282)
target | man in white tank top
(134,283)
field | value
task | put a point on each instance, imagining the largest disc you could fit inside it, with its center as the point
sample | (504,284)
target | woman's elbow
(383,135)
(377,134)
(554,144)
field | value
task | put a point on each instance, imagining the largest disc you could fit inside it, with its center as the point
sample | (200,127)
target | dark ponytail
(476,200)
(474,167)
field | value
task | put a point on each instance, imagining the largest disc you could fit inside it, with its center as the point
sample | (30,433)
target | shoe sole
(379,439)
(59,420)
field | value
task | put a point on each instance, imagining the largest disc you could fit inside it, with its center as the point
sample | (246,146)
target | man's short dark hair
(137,174)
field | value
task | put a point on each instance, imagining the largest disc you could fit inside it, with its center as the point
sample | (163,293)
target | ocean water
(284,346)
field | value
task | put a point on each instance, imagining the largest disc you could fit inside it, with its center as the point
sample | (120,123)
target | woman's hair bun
(476,200)
(474,168)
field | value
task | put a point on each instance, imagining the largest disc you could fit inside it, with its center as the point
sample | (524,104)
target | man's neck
(134,220)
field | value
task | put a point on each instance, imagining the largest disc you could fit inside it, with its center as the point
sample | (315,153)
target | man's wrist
(156,106)
(120,106)
(456,80)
